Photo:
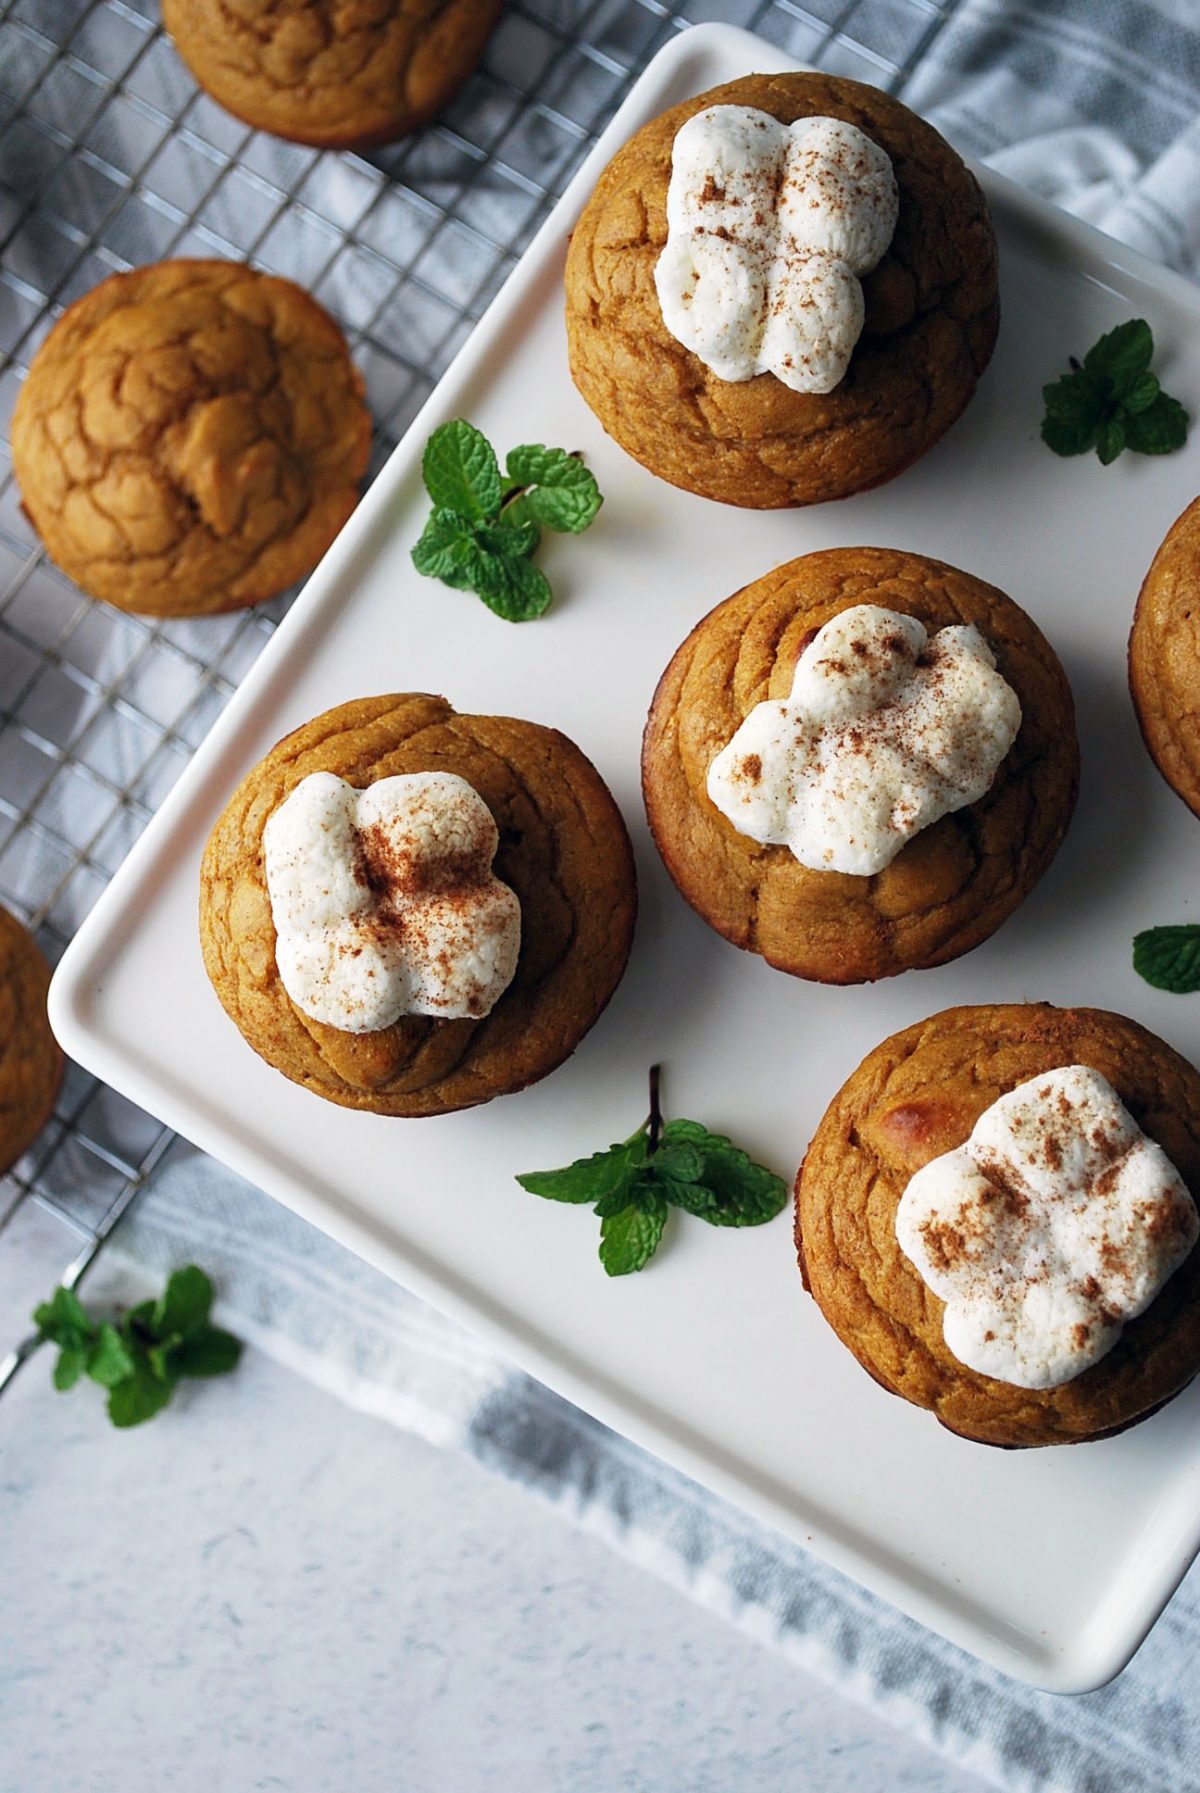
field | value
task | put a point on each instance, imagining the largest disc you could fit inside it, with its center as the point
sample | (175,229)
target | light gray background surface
(263,1590)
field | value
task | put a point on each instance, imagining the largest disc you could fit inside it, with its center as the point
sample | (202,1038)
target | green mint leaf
(1078,398)
(139,1358)
(533,464)
(589,1179)
(631,1186)
(568,512)
(64,1320)
(1076,406)
(509,539)
(626,1194)
(694,1198)
(677,1161)
(137,1323)
(461,471)
(447,550)
(629,1238)
(490,560)
(1113,401)
(207,1353)
(138,1398)
(72,1362)
(110,1360)
(160,1360)
(1123,355)
(1141,395)
(748,1194)
(515,512)
(745,1193)
(475,540)
(1160,429)
(1110,440)
(1067,438)
(563,492)
(1169,957)
(515,589)
(183,1307)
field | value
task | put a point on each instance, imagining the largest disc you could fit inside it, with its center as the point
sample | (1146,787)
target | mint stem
(655,1122)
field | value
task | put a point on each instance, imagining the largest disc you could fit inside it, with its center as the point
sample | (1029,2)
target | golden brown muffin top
(1164,657)
(191,437)
(333,73)
(30,1060)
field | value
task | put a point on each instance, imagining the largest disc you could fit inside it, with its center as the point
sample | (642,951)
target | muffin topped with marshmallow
(411,911)
(860,764)
(782,291)
(997,1215)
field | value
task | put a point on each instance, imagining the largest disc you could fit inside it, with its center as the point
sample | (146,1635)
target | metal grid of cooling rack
(110,156)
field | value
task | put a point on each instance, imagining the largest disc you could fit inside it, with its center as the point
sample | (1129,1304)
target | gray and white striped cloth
(1093,103)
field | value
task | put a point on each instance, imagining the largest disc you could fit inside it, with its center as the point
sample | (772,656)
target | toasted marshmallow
(1056,1223)
(770,228)
(886,729)
(384,900)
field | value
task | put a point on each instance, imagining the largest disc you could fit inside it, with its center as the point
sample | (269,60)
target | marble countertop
(262,1589)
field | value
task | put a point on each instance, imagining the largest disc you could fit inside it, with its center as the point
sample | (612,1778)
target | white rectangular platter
(1049,1564)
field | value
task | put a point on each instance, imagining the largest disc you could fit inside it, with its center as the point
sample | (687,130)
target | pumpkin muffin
(1164,657)
(920,1095)
(562,851)
(190,438)
(931,314)
(31,1063)
(335,76)
(951,884)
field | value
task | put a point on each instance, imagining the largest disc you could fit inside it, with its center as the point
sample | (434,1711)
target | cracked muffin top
(931,313)
(953,883)
(191,437)
(1164,657)
(918,1095)
(30,1060)
(563,851)
(339,74)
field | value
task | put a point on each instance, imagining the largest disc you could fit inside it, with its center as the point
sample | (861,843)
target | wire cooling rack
(110,156)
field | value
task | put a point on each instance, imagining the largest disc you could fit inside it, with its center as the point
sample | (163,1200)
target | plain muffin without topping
(1164,657)
(191,437)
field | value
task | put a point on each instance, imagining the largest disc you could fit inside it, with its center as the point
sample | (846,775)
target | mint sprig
(679,1164)
(481,534)
(141,1355)
(1169,957)
(1111,401)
